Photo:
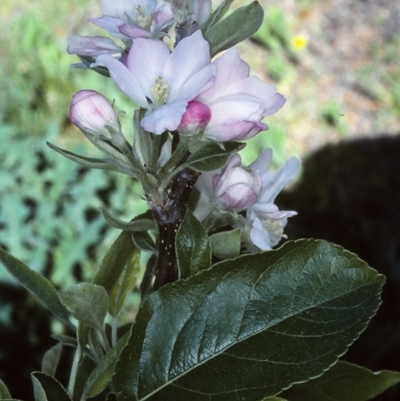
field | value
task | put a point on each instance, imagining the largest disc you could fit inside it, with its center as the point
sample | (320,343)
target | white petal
(167,117)
(123,78)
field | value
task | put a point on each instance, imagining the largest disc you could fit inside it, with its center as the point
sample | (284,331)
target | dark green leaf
(148,277)
(134,225)
(88,303)
(46,388)
(84,161)
(238,26)
(125,284)
(111,397)
(36,284)
(101,375)
(50,359)
(193,248)
(120,253)
(344,382)
(4,393)
(85,368)
(217,15)
(249,327)
(226,244)
(66,340)
(212,156)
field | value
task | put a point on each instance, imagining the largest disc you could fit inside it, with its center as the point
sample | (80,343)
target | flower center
(144,17)
(160,91)
(274,227)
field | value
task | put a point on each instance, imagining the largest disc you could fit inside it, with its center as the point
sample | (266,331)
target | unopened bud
(195,118)
(91,112)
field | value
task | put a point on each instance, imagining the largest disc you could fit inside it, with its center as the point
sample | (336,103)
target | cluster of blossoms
(186,98)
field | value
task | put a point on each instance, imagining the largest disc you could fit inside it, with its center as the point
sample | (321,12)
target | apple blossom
(237,101)
(162,82)
(195,118)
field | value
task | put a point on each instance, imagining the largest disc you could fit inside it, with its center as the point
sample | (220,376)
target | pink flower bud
(91,112)
(236,189)
(195,118)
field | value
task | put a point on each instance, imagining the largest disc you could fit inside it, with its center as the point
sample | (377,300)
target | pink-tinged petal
(275,181)
(162,17)
(146,61)
(230,69)
(274,104)
(91,46)
(134,32)
(189,57)
(165,118)
(123,78)
(237,131)
(196,117)
(110,24)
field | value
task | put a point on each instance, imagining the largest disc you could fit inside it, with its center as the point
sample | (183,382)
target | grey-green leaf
(344,382)
(101,375)
(212,156)
(226,244)
(238,26)
(4,393)
(120,253)
(217,15)
(134,225)
(249,327)
(36,284)
(51,359)
(193,248)
(88,303)
(46,388)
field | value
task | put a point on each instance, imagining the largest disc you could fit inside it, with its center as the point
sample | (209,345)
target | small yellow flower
(299,42)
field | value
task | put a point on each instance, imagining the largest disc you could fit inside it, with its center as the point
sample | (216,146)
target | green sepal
(344,382)
(101,375)
(87,61)
(226,244)
(88,303)
(238,26)
(212,156)
(46,388)
(51,359)
(38,285)
(252,326)
(193,248)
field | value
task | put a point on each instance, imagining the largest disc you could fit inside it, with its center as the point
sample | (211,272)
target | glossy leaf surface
(193,248)
(248,327)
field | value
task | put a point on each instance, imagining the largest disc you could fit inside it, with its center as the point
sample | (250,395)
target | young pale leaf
(4,393)
(226,244)
(101,375)
(193,248)
(88,303)
(125,283)
(240,25)
(120,253)
(212,156)
(46,388)
(51,359)
(248,327)
(134,225)
(39,286)
(217,15)
(344,382)
(66,340)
